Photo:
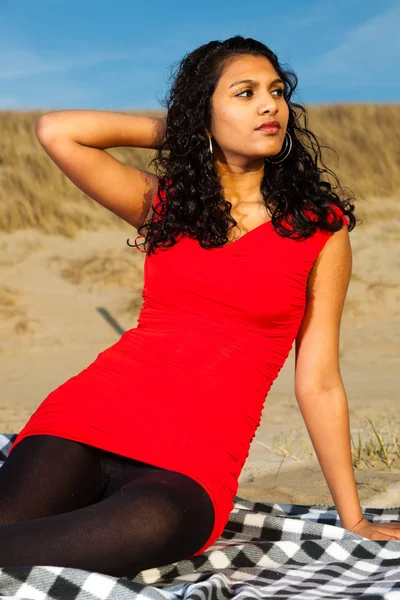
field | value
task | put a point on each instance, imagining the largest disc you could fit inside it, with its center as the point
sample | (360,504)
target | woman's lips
(268,129)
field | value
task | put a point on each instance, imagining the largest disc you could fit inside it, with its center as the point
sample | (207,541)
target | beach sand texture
(63,257)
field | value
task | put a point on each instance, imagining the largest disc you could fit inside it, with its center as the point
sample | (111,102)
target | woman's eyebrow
(254,82)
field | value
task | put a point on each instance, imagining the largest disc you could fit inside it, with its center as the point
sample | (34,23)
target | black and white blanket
(285,551)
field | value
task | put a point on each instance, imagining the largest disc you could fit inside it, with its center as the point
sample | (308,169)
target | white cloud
(367,54)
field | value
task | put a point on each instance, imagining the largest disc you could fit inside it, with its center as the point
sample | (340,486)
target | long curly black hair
(190,196)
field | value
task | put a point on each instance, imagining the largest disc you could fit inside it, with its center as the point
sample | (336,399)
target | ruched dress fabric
(184,390)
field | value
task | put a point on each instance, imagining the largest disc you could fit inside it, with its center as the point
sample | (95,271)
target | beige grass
(35,192)
(107,267)
(10,302)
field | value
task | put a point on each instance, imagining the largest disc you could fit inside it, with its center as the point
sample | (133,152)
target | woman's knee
(168,515)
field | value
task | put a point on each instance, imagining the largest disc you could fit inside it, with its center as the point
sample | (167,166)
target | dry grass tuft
(110,268)
(376,452)
(9,303)
(24,327)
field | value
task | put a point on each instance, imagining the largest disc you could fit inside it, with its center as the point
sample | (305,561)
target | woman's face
(239,108)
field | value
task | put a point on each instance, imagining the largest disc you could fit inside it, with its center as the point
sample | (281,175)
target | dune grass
(379,449)
(10,302)
(36,193)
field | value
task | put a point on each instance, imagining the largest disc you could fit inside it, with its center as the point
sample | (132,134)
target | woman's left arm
(319,387)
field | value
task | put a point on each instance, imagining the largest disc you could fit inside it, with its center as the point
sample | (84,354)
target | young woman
(134,462)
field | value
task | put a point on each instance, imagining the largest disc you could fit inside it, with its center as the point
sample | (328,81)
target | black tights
(64,503)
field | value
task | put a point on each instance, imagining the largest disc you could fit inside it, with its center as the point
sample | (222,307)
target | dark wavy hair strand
(190,194)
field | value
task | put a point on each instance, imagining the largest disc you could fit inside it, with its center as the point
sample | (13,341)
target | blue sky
(92,54)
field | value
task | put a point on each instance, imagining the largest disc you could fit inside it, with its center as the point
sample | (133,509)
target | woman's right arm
(76,141)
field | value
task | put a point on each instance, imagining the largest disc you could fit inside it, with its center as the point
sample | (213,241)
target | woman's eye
(280,90)
(244,91)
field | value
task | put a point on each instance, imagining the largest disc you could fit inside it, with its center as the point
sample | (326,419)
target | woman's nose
(269,104)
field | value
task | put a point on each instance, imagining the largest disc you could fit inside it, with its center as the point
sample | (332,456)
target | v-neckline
(239,240)
(244,235)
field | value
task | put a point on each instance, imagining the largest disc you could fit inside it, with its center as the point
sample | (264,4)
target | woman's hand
(377,531)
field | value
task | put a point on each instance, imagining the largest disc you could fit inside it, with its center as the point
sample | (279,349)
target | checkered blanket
(267,550)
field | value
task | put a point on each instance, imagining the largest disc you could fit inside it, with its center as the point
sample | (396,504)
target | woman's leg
(47,475)
(159,518)
(142,517)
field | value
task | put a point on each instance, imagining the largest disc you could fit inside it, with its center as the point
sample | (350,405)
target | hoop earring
(211,148)
(284,153)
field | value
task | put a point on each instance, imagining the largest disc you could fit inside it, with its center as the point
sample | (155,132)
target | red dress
(185,389)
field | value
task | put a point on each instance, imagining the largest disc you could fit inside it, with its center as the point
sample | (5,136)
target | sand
(51,290)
